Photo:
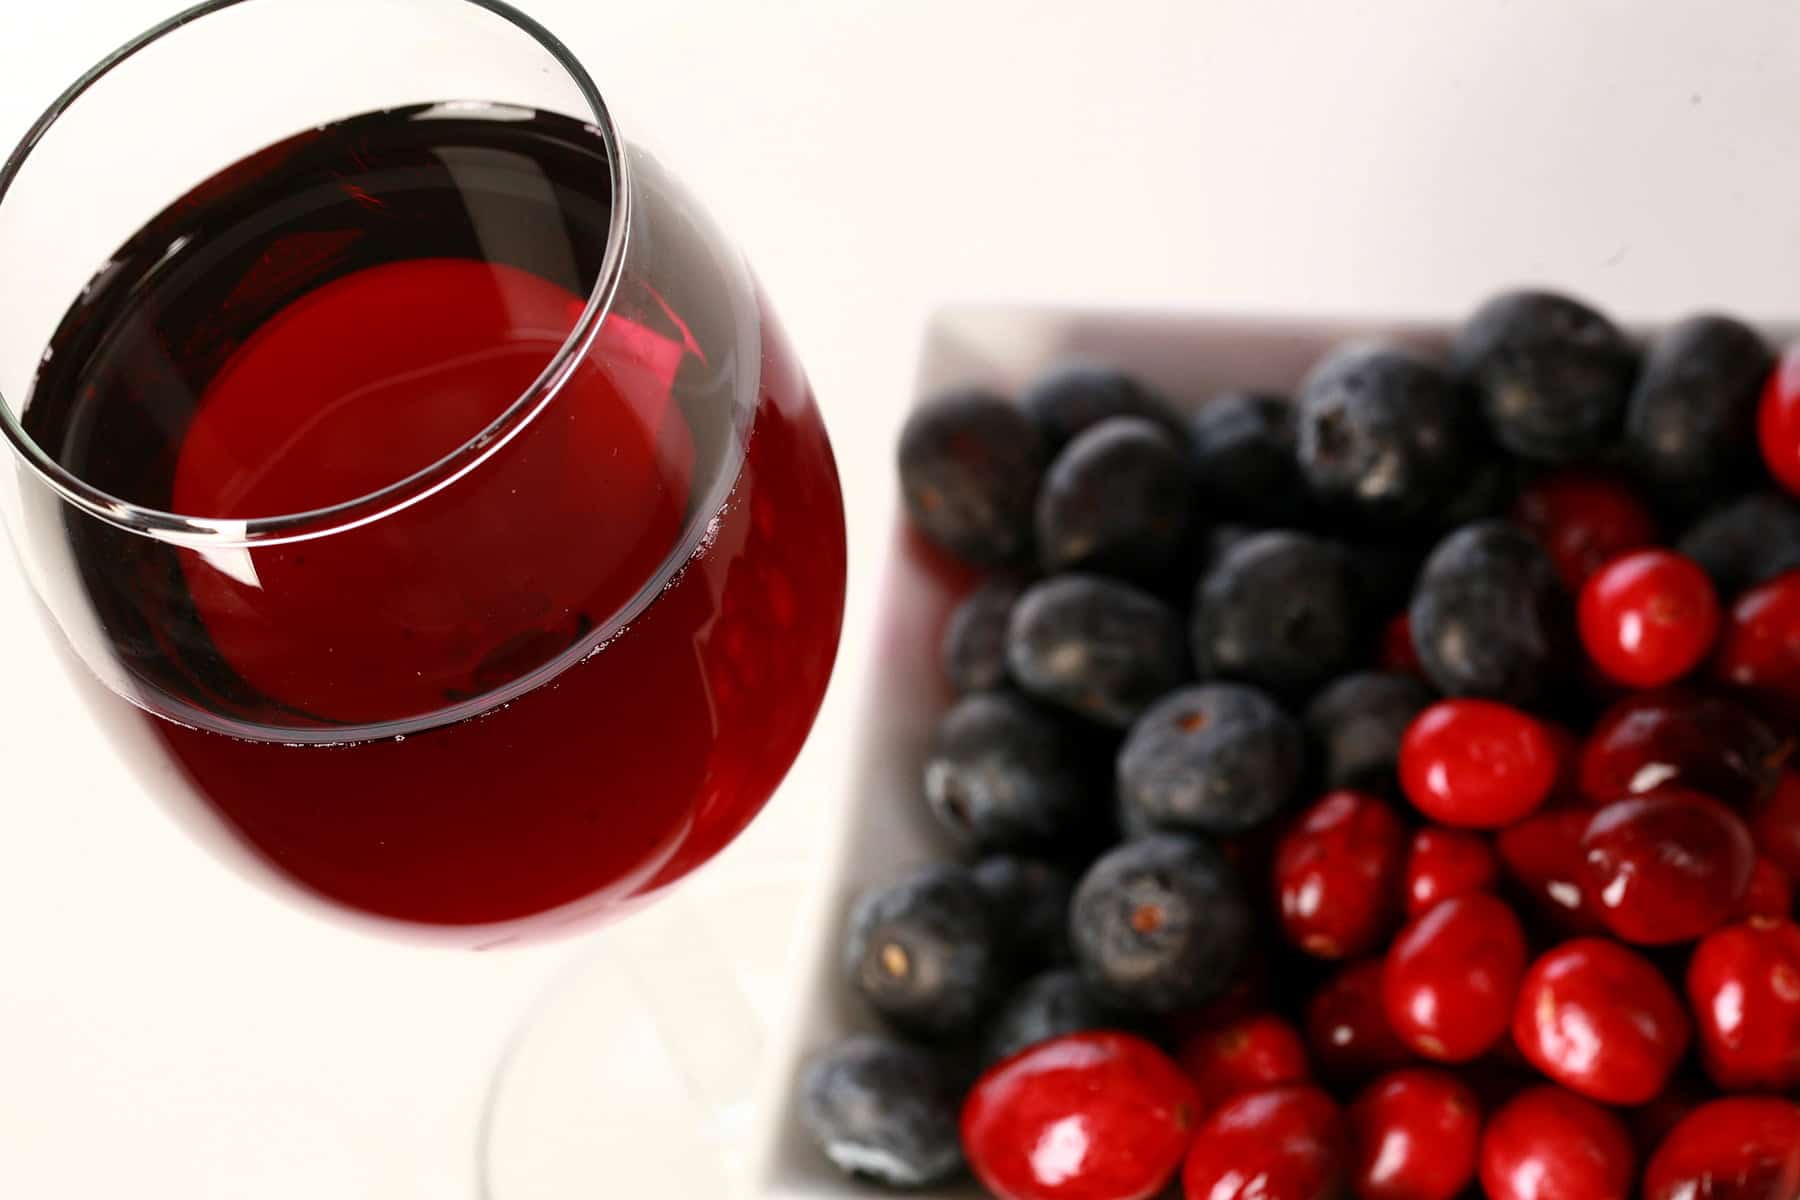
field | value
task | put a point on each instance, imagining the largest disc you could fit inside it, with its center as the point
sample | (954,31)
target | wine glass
(418,471)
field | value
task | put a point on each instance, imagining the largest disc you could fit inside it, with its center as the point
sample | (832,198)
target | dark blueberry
(1029,899)
(1072,396)
(970,464)
(1003,772)
(1219,758)
(1280,610)
(1355,725)
(1097,647)
(1690,429)
(1489,617)
(974,645)
(1384,436)
(1160,924)
(883,1112)
(1051,1005)
(1119,499)
(1552,374)
(1244,445)
(924,952)
(1745,542)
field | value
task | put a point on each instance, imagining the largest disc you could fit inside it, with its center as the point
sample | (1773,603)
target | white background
(166,1031)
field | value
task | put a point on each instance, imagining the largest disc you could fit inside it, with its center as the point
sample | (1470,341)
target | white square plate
(884,828)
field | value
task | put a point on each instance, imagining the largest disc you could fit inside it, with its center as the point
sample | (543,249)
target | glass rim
(202,531)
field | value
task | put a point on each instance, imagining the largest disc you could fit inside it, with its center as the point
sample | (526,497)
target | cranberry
(1743,984)
(1759,649)
(1740,1148)
(1477,764)
(1583,519)
(1567,788)
(1090,1116)
(1445,863)
(1776,825)
(1284,1143)
(1398,653)
(1770,894)
(1667,867)
(1648,617)
(1414,1135)
(1347,1025)
(1549,1144)
(1778,422)
(1452,976)
(1247,1055)
(1709,743)
(1542,855)
(1602,1021)
(1339,874)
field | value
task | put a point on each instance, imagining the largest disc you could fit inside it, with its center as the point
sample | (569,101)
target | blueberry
(1029,899)
(1489,617)
(1690,428)
(1047,1006)
(1072,396)
(1243,446)
(1280,610)
(1219,758)
(1003,772)
(924,952)
(1119,499)
(970,464)
(1102,649)
(974,645)
(1746,542)
(1551,373)
(883,1112)
(1354,727)
(1160,924)
(1384,436)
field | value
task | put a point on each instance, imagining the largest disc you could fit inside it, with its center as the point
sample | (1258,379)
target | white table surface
(167,1031)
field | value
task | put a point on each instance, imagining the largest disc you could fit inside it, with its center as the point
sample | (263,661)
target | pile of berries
(1383,794)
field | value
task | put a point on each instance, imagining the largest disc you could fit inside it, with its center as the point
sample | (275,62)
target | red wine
(552,686)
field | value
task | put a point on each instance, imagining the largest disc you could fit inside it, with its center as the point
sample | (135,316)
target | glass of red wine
(422,475)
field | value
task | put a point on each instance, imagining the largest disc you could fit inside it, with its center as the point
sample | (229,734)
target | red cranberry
(1477,764)
(1090,1116)
(1543,856)
(1548,1144)
(1778,422)
(1339,873)
(1709,743)
(1759,649)
(1740,1148)
(1776,825)
(1347,1025)
(1648,617)
(1281,1144)
(1414,1135)
(1602,1021)
(1398,654)
(1446,863)
(1770,894)
(1567,788)
(1583,520)
(1452,976)
(1247,1055)
(1743,984)
(1667,867)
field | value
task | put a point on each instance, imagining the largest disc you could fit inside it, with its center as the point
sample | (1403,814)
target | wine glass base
(634,1075)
